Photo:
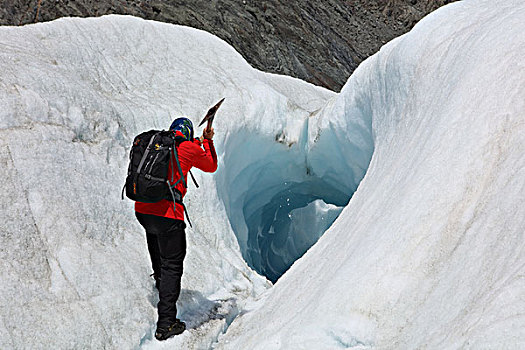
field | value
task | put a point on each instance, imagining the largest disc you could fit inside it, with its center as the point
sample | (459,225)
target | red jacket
(190,155)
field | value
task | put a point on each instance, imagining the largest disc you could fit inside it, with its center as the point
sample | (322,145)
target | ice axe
(211,115)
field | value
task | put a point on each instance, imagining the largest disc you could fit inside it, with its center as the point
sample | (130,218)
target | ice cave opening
(281,196)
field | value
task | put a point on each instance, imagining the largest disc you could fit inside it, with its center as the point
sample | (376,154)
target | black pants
(167,247)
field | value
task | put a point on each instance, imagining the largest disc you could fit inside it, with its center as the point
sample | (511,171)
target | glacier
(409,187)
(430,252)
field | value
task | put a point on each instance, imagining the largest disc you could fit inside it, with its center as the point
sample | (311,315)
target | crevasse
(282,195)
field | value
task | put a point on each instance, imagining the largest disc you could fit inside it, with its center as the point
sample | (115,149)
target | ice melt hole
(281,230)
(281,197)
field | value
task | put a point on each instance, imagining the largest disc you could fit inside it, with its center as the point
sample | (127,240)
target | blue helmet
(184,125)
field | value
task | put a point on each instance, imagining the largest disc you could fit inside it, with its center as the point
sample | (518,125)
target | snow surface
(74,92)
(428,253)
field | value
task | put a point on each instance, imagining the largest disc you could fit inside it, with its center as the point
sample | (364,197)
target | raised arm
(204,159)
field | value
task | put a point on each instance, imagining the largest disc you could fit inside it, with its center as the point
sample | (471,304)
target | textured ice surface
(73,260)
(268,176)
(430,251)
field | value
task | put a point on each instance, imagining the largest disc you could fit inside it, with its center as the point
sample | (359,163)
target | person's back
(190,154)
(164,223)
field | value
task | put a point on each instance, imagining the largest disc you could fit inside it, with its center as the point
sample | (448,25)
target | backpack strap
(176,195)
(194,181)
(177,198)
(174,152)
(145,155)
(186,213)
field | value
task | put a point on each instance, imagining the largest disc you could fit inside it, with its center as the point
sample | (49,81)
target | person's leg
(154,225)
(154,253)
(172,247)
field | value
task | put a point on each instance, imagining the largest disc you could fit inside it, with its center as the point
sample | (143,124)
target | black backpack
(149,159)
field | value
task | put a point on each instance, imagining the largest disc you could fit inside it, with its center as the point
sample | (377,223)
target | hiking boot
(176,328)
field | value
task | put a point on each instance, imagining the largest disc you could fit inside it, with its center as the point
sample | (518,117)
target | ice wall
(73,260)
(430,251)
(283,189)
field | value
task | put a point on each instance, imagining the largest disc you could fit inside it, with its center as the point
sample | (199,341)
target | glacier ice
(264,184)
(427,252)
(74,93)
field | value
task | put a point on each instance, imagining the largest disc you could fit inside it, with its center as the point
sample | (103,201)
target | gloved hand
(208,134)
